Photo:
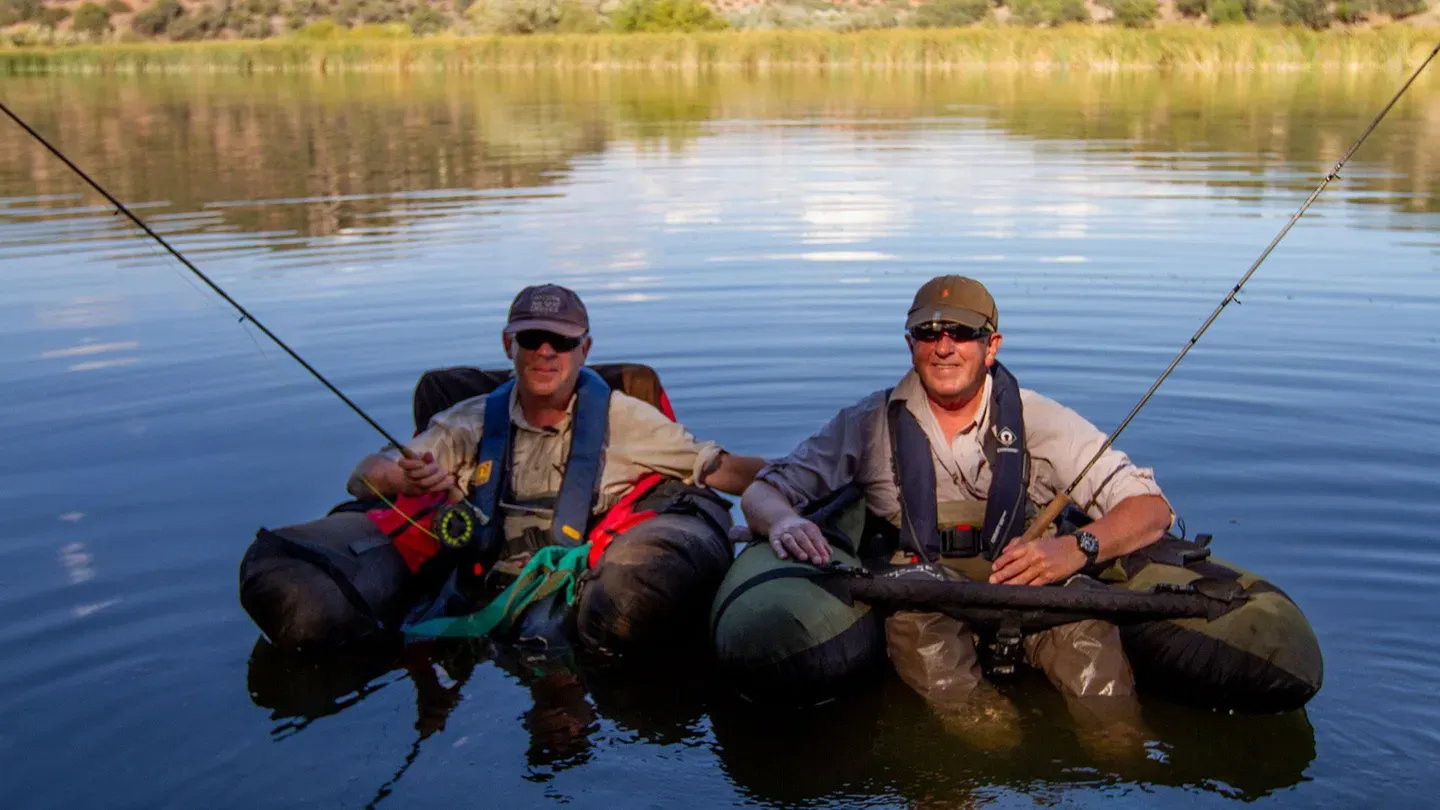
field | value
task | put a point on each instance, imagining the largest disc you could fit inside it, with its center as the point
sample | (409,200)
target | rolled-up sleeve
(644,437)
(828,460)
(453,436)
(1061,442)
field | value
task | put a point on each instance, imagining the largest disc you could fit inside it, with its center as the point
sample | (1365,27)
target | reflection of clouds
(77,563)
(81,312)
(81,611)
(72,517)
(846,212)
(1062,260)
(85,349)
(693,213)
(91,349)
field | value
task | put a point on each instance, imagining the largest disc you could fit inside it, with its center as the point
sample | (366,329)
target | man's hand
(797,537)
(424,475)
(1038,563)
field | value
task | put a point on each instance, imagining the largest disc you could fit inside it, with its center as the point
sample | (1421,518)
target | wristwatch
(1089,544)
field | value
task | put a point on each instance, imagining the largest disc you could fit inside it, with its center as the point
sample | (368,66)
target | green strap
(551,569)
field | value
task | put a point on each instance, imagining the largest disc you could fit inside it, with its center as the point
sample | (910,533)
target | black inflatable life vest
(1006,503)
(580,486)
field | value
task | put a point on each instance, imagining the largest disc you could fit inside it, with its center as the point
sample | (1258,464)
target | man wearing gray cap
(956,458)
(547,338)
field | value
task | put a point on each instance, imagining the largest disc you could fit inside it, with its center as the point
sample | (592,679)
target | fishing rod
(1052,511)
(455,494)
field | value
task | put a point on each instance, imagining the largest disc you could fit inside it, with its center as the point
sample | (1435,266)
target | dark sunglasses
(931,332)
(532,339)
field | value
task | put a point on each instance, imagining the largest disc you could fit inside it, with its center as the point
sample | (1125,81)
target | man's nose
(546,350)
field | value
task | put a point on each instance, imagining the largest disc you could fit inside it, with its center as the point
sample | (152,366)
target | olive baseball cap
(549,307)
(954,299)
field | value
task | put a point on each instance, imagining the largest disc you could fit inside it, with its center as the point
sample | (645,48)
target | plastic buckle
(959,541)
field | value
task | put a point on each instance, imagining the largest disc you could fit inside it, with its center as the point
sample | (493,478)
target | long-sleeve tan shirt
(640,440)
(855,448)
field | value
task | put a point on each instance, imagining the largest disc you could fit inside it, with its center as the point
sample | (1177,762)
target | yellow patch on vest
(570,532)
(482,473)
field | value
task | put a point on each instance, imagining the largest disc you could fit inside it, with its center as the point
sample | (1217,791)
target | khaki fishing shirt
(640,440)
(855,448)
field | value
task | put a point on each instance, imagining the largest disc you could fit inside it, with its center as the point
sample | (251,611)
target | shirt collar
(517,415)
(912,392)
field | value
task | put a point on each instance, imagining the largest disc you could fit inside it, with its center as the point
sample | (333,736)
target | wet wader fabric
(349,576)
(324,583)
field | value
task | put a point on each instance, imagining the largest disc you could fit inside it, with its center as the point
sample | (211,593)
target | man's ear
(508,341)
(993,348)
(585,348)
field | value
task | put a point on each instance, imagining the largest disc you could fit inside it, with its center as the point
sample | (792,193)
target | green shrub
(577,17)
(1309,13)
(516,16)
(951,13)
(118,7)
(92,20)
(16,11)
(1224,12)
(253,28)
(53,16)
(1190,8)
(666,15)
(426,20)
(1135,13)
(1350,11)
(156,18)
(1400,8)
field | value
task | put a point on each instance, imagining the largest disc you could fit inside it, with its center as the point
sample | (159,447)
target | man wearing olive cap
(956,458)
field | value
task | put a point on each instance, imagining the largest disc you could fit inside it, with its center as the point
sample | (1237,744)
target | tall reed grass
(1082,48)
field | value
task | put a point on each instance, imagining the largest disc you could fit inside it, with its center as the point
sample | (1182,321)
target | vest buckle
(959,541)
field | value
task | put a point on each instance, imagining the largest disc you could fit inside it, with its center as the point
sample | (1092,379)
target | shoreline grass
(1225,49)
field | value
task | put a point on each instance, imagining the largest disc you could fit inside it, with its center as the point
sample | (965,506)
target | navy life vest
(580,486)
(1007,502)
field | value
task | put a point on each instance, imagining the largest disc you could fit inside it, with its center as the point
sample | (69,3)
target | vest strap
(914,470)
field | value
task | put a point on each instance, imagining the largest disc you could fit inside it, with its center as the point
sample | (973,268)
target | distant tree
(1190,8)
(516,16)
(1351,11)
(425,19)
(1223,12)
(118,7)
(1135,13)
(18,11)
(666,15)
(951,13)
(92,20)
(579,17)
(1309,13)
(52,16)
(155,19)
(1401,8)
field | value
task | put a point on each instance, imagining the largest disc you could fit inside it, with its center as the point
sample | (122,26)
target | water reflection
(877,743)
(321,156)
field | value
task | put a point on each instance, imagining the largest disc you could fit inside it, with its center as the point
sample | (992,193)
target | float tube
(342,578)
(1192,625)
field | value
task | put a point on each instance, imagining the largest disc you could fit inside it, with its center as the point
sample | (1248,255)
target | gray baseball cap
(549,307)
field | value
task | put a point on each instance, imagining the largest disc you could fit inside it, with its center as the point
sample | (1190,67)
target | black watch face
(1089,544)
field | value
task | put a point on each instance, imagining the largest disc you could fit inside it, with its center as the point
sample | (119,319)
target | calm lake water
(756,241)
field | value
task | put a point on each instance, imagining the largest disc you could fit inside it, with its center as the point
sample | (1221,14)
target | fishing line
(244,313)
(1053,510)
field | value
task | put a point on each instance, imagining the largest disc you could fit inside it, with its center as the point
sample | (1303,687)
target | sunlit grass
(1082,47)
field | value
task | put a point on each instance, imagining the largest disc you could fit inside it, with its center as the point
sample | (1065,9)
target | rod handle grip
(1047,517)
